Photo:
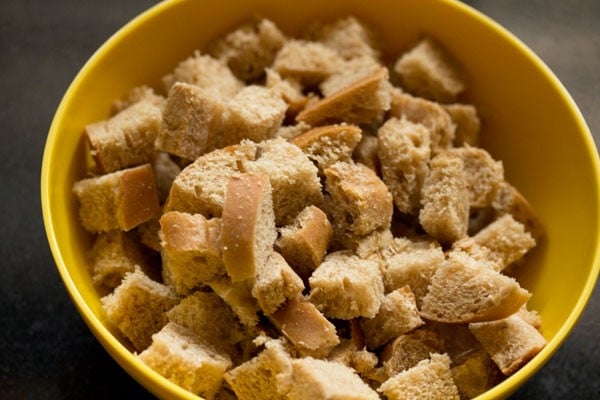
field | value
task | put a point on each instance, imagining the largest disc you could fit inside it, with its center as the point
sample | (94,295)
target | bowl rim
(155,382)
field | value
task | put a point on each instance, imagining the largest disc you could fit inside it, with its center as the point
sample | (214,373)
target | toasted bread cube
(348,36)
(248,232)
(191,252)
(373,245)
(413,265)
(138,306)
(191,121)
(345,286)
(238,296)
(183,358)
(350,71)
(211,319)
(532,317)
(404,149)
(501,243)
(361,201)
(293,177)
(200,187)
(304,243)
(356,357)
(255,113)
(510,201)
(306,62)
(329,144)
(511,342)
(428,380)
(135,95)
(467,123)
(148,234)
(397,315)
(204,71)
(366,153)
(127,138)
(362,102)
(428,71)
(288,89)
(259,378)
(445,199)
(407,350)
(250,49)
(427,113)
(119,200)
(323,380)
(275,283)
(476,374)
(114,254)
(305,327)
(466,290)
(483,174)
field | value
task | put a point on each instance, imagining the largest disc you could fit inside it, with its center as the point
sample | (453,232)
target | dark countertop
(46,351)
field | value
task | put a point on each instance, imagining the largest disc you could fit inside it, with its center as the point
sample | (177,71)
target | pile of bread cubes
(296,219)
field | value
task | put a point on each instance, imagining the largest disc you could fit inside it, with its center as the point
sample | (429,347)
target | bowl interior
(529,122)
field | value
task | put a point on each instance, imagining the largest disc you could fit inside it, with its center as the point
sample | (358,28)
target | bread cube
(511,341)
(191,250)
(348,36)
(119,200)
(180,356)
(290,90)
(275,283)
(135,95)
(307,62)
(238,296)
(427,70)
(407,350)
(148,234)
(345,286)
(366,153)
(404,149)
(204,71)
(476,374)
(356,357)
(428,380)
(304,243)
(445,199)
(138,307)
(467,122)
(250,49)
(397,315)
(305,327)
(350,71)
(510,201)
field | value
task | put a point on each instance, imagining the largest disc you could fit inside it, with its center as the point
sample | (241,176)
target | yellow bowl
(530,122)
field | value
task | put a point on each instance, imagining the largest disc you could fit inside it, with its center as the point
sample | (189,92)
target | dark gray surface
(46,351)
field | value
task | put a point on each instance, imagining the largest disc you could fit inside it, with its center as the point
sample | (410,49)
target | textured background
(46,351)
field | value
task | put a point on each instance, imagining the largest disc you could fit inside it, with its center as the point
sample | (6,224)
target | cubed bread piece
(366,153)
(127,138)
(288,89)
(428,380)
(191,123)
(476,374)
(413,265)
(211,319)
(206,72)
(362,102)
(374,244)
(345,286)
(255,113)
(250,49)
(114,254)
(348,353)
(397,315)
(483,174)
(510,201)
(259,378)
(138,306)
(458,340)
(275,283)
(293,177)
(404,149)
(165,172)
(136,95)
(511,342)
(349,72)
(329,144)
(119,200)
(427,113)
(305,327)
(467,123)
(248,232)
(445,199)
(427,70)
(326,380)
(466,290)
(148,234)
(238,295)
(200,187)
(307,62)
(360,201)
(191,250)
(532,317)
(304,243)
(348,36)
(501,243)
(409,349)
(183,358)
